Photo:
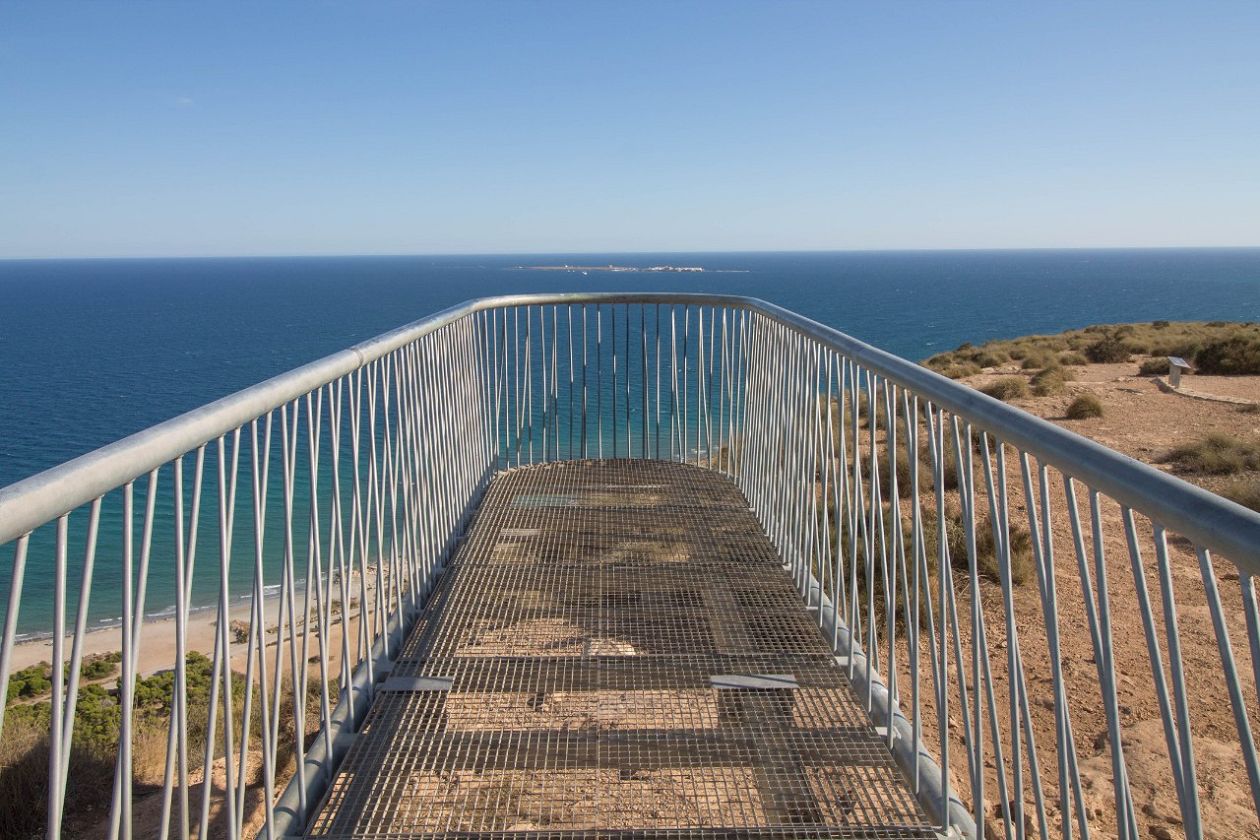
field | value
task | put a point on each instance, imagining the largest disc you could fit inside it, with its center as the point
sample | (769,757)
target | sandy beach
(158,634)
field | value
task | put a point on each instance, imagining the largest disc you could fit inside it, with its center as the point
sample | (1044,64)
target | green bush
(1154,367)
(1072,359)
(1108,350)
(1216,454)
(29,683)
(1235,356)
(1006,389)
(1084,406)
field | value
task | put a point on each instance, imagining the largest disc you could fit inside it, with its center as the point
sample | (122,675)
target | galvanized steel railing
(877,479)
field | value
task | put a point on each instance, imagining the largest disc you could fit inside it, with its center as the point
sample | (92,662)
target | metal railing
(329,498)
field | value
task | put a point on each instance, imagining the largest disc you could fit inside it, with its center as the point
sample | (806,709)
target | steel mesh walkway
(616,651)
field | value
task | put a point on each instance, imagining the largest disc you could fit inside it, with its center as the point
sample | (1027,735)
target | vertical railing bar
(657,308)
(643,367)
(1043,558)
(586,449)
(56,702)
(555,382)
(612,326)
(1251,614)
(120,808)
(569,312)
(1002,547)
(1153,653)
(973,726)
(1190,807)
(673,373)
(20,548)
(599,379)
(1228,664)
(625,308)
(76,655)
(546,392)
(910,410)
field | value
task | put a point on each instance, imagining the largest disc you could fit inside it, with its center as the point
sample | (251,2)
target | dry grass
(1245,493)
(1006,389)
(1215,454)
(1215,347)
(1050,381)
(1083,407)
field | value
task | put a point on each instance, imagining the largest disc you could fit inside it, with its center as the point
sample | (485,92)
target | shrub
(988,360)
(1154,367)
(1216,454)
(1237,356)
(1159,325)
(1245,493)
(29,683)
(960,370)
(1050,381)
(1039,359)
(1187,348)
(1072,359)
(1084,406)
(1007,388)
(101,666)
(1108,350)
(986,547)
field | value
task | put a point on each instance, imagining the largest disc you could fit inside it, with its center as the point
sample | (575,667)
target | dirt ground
(1143,422)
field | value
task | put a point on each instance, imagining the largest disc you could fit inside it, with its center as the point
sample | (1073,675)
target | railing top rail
(1205,518)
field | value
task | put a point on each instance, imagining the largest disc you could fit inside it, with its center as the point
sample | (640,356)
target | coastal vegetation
(25,747)
(36,681)
(1050,380)
(1084,407)
(1245,493)
(1213,347)
(1215,454)
(1009,388)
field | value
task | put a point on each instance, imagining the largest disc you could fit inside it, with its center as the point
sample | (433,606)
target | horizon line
(403,254)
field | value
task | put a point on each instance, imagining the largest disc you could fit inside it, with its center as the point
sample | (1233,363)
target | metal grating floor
(616,651)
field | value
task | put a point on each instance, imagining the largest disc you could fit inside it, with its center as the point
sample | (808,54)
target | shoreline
(158,634)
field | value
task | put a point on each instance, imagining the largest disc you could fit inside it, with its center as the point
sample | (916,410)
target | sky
(212,129)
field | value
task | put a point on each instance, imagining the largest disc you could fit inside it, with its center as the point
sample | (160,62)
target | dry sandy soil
(1143,422)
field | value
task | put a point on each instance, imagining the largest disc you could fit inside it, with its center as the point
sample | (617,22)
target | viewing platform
(632,565)
(617,650)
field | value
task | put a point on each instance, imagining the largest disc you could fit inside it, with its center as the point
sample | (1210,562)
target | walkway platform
(617,652)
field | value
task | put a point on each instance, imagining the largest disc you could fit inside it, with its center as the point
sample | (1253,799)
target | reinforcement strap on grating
(617,652)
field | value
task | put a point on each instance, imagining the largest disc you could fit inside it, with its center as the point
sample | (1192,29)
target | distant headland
(651,269)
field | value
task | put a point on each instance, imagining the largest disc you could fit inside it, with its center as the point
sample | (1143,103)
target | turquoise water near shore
(93,350)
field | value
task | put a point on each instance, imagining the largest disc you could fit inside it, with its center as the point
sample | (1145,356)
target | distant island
(610,267)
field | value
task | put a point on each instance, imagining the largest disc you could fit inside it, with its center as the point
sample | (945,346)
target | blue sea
(93,350)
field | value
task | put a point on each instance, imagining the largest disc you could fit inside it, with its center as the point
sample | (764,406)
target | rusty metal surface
(580,671)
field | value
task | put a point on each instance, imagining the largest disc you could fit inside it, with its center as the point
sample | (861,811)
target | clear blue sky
(310,128)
